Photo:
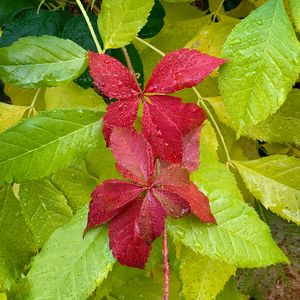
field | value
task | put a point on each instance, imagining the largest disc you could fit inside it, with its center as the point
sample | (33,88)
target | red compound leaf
(108,198)
(133,154)
(126,244)
(181,69)
(119,114)
(151,220)
(111,77)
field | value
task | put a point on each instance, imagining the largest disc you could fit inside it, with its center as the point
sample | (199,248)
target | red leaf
(162,133)
(111,77)
(133,154)
(197,200)
(181,69)
(119,114)
(151,221)
(109,198)
(174,204)
(126,245)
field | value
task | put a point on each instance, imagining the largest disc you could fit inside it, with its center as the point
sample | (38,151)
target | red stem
(166,265)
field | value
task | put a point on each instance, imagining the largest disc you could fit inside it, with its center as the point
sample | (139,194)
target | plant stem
(93,6)
(89,24)
(166,265)
(217,11)
(200,100)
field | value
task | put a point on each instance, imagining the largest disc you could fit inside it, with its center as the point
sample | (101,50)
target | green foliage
(59,137)
(231,292)
(275,181)
(10,115)
(121,20)
(295,9)
(68,265)
(263,62)
(41,61)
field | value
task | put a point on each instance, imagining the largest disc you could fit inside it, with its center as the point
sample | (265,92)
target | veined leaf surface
(10,115)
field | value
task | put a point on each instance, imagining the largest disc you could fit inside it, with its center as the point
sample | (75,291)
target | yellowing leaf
(10,115)
(211,38)
(24,96)
(263,63)
(202,277)
(231,292)
(275,181)
(72,95)
(120,20)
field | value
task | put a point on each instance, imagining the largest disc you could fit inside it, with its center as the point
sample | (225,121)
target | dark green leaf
(155,21)
(31,23)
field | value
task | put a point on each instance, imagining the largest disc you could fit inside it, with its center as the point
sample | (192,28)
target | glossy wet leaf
(59,137)
(240,237)
(264,62)
(201,276)
(274,180)
(70,266)
(10,115)
(120,21)
(41,61)
(44,208)
(33,23)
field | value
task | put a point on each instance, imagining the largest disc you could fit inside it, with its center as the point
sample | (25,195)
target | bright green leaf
(240,238)
(10,115)
(16,243)
(72,95)
(69,266)
(120,20)
(295,9)
(275,181)
(263,63)
(76,184)
(41,61)
(46,143)
(202,277)
(44,208)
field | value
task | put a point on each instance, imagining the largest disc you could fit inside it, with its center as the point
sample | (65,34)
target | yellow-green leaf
(10,115)
(72,95)
(120,20)
(263,63)
(275,181)
(295,9)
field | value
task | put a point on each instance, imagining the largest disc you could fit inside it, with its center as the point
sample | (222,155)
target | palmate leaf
(44,208)
(41,61)
(120,20)
(16,242)
(46,143)
(70,267)
(10,115)
(264,62)
(240,238)
(275,181)
(202,277)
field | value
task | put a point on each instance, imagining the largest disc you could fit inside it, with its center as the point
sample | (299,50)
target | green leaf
(295,9)
(33,23)
(231,292)
(275,181)
(281,127)
(44,208)
(240,238)
(8,9)
(155,21)
(41,61)
(46,143)
(120,20)
(72,95)
(201,276)
(10,115)
(76,184)
(263,63)
(16,242)
(69,266)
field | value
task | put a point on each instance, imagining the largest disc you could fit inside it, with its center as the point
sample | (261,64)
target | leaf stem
(200,101)
(166,265)
(35,98)
(217,11)
(89,24)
